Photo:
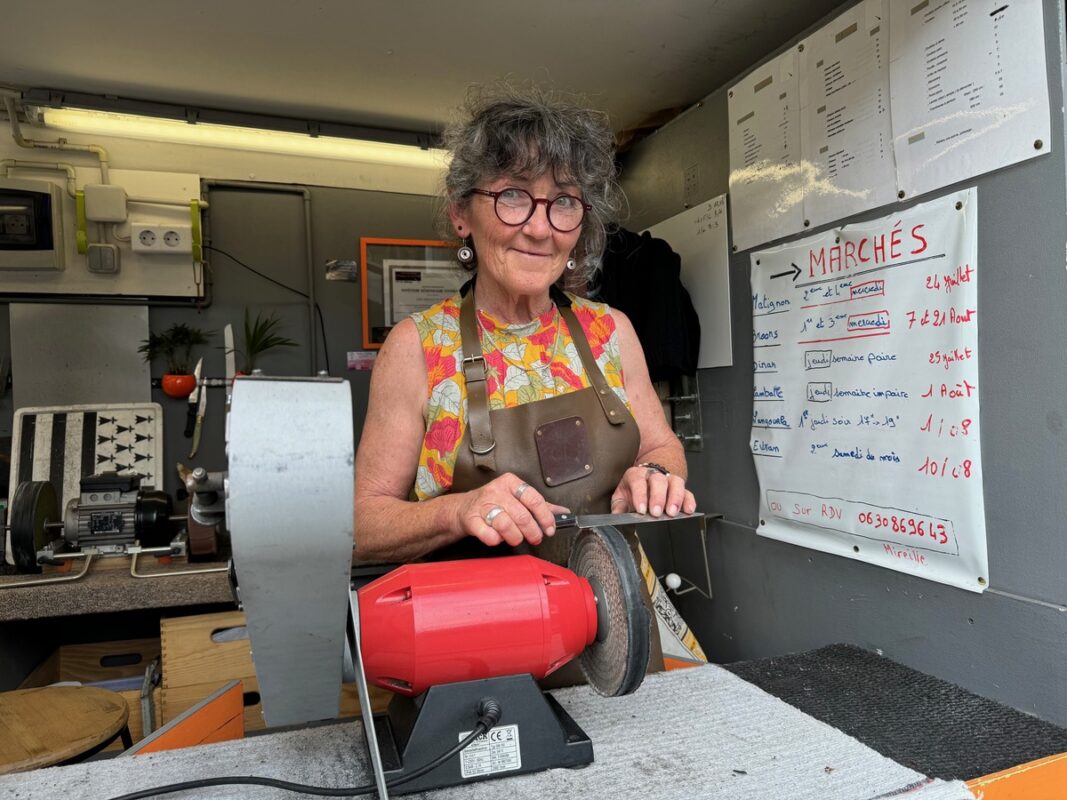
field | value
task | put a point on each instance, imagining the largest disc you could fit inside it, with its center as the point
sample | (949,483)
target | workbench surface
(111,589)
(699,732)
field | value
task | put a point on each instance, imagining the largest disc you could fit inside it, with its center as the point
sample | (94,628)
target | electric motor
(113,510)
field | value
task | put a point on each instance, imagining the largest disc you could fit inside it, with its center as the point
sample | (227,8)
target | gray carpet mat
(942,730)
(694,733)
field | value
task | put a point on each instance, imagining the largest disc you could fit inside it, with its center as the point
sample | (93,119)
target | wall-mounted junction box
(31,225)
(162,239)
(104,203)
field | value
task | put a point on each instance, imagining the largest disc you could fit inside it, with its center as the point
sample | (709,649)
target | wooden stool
(58,725)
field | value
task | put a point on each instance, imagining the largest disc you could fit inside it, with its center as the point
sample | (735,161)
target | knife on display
(200,409)
(231,360)
(194,396)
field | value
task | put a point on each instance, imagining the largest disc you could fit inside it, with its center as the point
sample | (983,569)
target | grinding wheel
(33,504)
(615,663)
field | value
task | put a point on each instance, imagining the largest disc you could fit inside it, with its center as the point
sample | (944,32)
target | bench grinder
(445,637)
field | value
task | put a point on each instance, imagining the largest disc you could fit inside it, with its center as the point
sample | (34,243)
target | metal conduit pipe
(16,163)
(16,134)
(304,192)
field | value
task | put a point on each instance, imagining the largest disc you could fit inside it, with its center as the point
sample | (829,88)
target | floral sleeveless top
(524,363)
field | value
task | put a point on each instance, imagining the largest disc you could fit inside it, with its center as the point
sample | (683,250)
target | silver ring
(492,514)
(522,487)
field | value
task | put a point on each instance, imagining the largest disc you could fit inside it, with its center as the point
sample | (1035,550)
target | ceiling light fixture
(136,126)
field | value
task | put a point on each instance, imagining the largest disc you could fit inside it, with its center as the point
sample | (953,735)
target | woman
(513,400)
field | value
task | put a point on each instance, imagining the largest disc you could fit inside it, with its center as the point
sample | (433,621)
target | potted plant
(175,347)
(260,335)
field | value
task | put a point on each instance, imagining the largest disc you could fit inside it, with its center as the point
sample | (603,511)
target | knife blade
(194,396)
(569,520)
(231,360)
(201,408)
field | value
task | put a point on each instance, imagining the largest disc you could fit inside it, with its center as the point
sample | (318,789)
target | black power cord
(488,715)
(253,270)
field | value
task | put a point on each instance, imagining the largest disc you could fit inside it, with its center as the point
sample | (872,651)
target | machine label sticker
(492,752)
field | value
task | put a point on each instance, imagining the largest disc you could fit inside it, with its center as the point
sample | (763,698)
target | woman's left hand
(648,491)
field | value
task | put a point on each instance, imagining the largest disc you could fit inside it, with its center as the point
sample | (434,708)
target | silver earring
(465,253)
(571,263)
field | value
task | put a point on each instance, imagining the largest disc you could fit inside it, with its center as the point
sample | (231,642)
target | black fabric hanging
(642,278)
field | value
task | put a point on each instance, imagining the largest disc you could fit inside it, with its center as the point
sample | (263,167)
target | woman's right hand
(507,510)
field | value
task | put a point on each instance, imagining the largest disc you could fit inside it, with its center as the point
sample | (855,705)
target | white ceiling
(403,64)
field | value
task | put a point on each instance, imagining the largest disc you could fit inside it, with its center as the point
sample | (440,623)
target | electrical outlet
(170,239)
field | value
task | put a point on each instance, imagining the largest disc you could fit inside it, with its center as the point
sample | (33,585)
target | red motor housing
(427,624)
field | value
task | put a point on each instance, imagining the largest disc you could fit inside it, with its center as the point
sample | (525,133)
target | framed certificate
(401,276)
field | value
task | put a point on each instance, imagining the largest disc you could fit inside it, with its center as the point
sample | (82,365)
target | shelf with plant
(175,347)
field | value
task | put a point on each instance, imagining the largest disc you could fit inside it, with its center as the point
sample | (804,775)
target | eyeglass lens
(515,206)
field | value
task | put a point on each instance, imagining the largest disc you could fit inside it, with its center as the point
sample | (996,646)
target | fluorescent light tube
(133,126)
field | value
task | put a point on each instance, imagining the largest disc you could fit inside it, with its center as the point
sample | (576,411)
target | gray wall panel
(773,598)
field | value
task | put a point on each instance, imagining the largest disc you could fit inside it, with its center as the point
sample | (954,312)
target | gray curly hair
(507,132)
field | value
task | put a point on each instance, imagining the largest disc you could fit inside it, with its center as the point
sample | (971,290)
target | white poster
(698,236)
(766,179)
(415,285)
(845,132)
(969,88)
(865,424)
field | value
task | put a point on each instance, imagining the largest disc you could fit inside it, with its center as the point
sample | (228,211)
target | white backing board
(846,137)
(890,100)
(766,178)
(969,89)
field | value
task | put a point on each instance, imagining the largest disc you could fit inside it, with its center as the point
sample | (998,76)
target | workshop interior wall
(265,230)
(772,598)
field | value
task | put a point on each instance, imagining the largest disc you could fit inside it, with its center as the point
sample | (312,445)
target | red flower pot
(178,386)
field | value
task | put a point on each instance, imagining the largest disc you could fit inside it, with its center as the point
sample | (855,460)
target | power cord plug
(489,712)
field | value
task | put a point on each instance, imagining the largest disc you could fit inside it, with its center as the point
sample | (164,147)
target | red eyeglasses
(515,206)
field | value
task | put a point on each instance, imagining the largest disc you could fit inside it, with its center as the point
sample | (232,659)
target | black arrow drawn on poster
(795,272)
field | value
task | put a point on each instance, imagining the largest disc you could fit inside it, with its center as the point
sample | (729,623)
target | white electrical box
(105,203)
(166,239)
(31,225)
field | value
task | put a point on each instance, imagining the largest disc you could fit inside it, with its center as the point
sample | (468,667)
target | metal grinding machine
(461,644)
(112,516)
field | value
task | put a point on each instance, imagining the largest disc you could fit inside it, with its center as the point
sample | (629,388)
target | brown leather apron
(573,448)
